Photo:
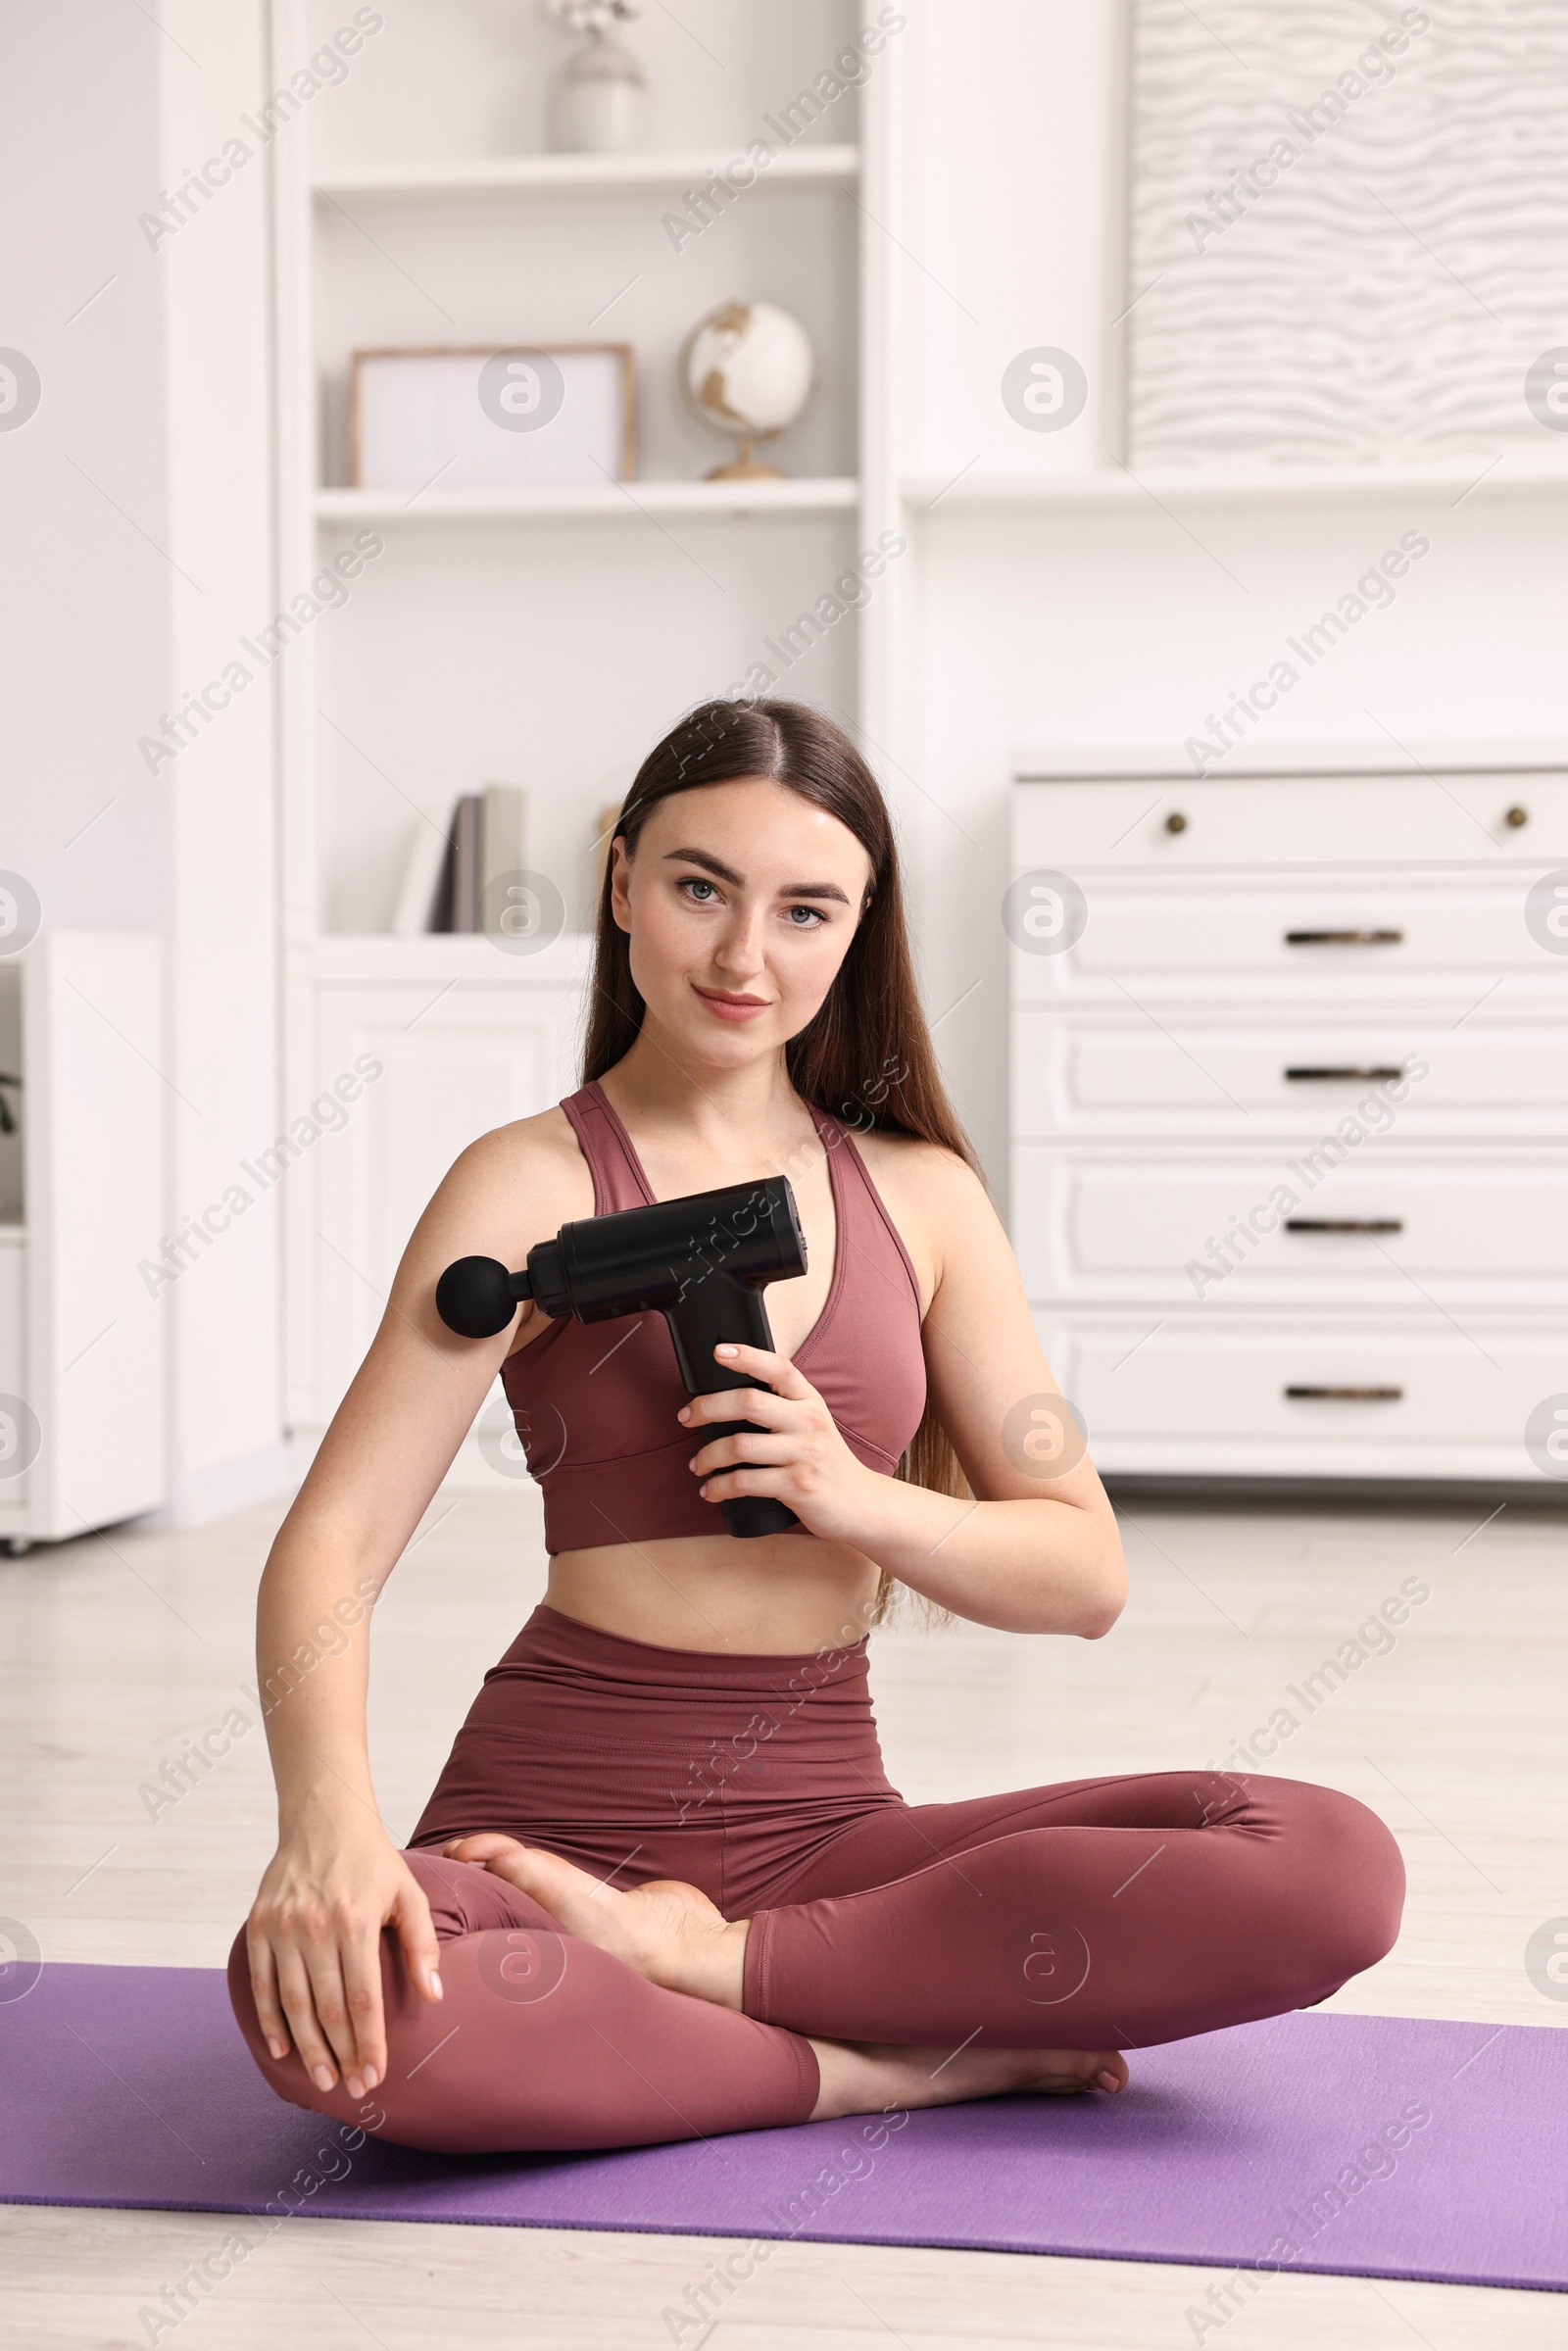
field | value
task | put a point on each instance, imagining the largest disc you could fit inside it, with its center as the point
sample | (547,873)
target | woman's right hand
(314,1936)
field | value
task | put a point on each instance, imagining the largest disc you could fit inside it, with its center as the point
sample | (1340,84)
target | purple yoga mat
(1377,2146)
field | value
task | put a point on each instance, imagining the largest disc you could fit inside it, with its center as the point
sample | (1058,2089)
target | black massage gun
(701,1262)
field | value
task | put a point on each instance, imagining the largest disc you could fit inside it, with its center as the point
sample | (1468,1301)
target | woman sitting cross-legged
(663,1886)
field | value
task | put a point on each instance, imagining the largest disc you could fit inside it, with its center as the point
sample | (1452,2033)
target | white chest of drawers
(1290,1117)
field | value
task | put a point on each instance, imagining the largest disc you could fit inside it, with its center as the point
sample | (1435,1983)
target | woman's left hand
(799,1458)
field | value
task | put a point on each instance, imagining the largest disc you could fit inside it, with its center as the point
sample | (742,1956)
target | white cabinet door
(435,1075)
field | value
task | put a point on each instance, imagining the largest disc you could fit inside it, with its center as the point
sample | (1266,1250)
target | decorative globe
(747,371)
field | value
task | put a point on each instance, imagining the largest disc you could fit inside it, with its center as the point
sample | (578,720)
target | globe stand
(745,466)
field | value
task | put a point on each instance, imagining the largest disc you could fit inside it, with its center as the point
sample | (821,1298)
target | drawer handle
(1350,1396)
(1514,817)
(1344,1224)
(1343,938)
(1343,1077)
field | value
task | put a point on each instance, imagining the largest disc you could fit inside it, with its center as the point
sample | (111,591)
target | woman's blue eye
(701,892)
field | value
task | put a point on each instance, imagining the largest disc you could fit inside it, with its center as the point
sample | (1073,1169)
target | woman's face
(739,905)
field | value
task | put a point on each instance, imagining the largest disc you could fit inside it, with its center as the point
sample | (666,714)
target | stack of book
(449,874)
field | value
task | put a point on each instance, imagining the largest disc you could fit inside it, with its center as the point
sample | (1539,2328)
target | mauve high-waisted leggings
(1104,1913)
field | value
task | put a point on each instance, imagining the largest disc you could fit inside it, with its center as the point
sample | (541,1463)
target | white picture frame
(491,416)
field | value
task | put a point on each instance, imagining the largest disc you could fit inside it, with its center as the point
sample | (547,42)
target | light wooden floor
(114,1649)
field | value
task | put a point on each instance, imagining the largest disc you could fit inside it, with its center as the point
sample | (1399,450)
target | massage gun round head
(476,1297)
(680,1258)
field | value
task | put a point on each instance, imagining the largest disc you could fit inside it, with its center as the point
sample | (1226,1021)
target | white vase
(600,100)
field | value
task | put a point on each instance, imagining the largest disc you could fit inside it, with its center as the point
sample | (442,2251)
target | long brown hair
(866,1056)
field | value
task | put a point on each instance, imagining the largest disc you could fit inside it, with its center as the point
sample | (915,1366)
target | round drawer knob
(1175,822)
(1515,818)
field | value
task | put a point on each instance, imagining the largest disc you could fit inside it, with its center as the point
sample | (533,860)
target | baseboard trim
(470,1473)
(1393,1494)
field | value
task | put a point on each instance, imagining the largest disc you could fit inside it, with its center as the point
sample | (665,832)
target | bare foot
(870,2076)
(667,1931)
(674,1936)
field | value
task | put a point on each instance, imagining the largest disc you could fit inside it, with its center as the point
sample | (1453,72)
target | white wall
(138,549)
(1045,628)
(228,1433)
(85,584)
(1011,210)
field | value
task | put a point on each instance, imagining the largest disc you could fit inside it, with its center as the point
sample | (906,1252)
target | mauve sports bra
(595,1403)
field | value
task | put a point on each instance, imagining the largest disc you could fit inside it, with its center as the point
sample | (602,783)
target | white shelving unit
(401,220)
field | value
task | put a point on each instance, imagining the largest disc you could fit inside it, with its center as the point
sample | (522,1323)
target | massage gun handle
(717,1307)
